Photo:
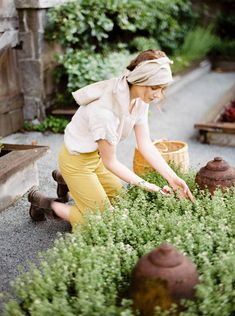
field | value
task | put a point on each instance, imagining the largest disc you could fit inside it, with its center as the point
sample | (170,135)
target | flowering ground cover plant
(88,272)
(228,114)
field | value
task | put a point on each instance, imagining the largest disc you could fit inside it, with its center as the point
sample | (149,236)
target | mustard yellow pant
(90,184)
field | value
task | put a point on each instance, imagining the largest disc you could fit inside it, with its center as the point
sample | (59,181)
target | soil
(4,152)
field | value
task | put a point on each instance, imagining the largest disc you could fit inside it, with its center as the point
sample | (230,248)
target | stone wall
(36,58)
(11,100)
(32,60)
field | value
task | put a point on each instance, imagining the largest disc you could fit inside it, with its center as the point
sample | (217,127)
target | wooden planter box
(213,132)
(18,171)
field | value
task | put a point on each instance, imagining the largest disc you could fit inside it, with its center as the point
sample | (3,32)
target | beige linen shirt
(103,114)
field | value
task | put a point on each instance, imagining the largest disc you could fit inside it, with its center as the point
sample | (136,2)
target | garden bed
(18,171)
(88,272)
(214,129)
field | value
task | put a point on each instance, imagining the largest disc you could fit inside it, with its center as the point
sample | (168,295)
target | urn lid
(218,167)
(166,256)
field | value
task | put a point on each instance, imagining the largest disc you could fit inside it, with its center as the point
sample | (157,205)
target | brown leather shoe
(37,214)
(62,189)
(40,207)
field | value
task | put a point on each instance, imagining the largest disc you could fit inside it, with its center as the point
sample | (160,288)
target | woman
(108,111)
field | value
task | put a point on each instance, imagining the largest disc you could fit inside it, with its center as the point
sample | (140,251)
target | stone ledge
(9,38)
(37,4)
(18,171)
(19,157)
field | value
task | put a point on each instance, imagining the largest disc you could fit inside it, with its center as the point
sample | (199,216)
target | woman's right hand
(151,187)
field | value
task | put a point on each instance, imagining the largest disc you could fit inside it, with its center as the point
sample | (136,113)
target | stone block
(38,4)
(36,20)
(7,8)
(11,103)
(11,122)
(5,124)
(17,185)
(38,39)
(18,171)
(27,50)
(16,119)
(8,24)
(9,38)
(33,108)
(22,21)
(16,102)
(31,77)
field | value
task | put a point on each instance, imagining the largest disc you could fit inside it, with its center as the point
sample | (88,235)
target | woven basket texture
(175,152)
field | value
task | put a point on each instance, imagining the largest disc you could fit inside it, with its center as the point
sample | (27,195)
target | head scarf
(147,73)
(151,72)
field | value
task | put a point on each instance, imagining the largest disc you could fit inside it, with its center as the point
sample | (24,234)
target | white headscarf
(147,73)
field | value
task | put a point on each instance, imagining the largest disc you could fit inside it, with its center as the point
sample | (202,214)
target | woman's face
(151,93)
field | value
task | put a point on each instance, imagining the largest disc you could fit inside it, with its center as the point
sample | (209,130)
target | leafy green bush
(90,30)
(91,24)
(88,272)
(51,123)
(197,44)
(84,68)
(141,43)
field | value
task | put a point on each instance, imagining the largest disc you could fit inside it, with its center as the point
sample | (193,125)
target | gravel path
(21,239)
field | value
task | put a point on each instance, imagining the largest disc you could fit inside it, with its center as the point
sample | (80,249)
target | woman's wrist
(143,184)
(172,179)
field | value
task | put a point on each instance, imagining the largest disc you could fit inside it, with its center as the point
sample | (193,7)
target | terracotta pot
(216,173)
(161,278)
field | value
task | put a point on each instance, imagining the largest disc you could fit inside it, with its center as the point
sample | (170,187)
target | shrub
(88,272)
(84,68)
(78,24)
(89,36)
(197,44)
(51,123)
(141,43)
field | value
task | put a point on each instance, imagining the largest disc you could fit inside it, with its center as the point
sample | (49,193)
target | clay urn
(160,278)
(216,173)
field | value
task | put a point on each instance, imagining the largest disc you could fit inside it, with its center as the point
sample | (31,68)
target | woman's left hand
(180,186)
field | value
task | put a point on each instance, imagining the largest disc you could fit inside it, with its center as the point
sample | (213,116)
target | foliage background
(101,37)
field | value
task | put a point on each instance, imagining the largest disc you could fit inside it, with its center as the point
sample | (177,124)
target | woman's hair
(145,55)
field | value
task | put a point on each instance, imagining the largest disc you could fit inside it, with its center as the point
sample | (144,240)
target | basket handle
(162,144)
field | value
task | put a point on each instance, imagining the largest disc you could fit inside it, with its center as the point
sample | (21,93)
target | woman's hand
(154,188)
(180,186)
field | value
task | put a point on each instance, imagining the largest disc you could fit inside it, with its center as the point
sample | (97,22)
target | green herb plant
(88,271)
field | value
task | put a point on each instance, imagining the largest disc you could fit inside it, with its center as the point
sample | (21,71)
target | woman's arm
(108,156)
(151,153)
(155,159)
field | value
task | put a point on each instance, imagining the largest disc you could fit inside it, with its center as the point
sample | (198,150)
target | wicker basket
(175,152)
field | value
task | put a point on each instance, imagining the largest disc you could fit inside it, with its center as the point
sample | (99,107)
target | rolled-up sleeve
(103,125)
